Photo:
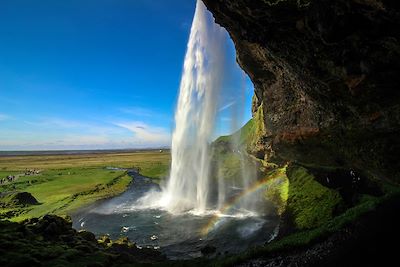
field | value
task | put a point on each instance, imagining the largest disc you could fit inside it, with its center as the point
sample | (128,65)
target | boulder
(88,236)
(17,199)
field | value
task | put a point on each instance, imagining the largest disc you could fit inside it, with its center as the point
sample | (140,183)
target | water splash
(247,168)
(236,201)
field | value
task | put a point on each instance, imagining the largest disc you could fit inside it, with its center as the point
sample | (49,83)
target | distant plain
(67,182)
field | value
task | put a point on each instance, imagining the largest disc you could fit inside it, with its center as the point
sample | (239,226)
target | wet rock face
(327,73)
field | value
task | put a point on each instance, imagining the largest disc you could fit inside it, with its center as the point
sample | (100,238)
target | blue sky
(96,74)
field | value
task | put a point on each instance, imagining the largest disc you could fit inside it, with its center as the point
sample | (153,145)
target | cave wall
(327,75)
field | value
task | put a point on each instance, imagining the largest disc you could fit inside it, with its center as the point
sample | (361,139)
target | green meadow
(68,182)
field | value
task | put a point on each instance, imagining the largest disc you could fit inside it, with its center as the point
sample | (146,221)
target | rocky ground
(51,241)
(368,240)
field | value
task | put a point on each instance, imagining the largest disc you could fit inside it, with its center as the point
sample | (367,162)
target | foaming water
(178,236)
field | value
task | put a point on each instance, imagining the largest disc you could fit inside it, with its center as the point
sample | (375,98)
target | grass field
(67,182)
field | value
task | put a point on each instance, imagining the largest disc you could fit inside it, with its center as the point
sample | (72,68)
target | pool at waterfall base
(178,236)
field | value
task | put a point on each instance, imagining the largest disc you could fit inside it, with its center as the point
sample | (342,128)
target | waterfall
(188,187)
(200,86)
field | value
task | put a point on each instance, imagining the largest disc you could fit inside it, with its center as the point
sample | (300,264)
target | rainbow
(233,201)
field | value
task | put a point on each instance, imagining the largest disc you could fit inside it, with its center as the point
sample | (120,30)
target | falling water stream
(195,115)
(191,210)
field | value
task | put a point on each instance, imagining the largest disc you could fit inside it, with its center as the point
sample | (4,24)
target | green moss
(309,203)
(247,132)
(243,136)
(259,123)
(278,189)
(249,135)
(226,159)
(229,166)
(308,237)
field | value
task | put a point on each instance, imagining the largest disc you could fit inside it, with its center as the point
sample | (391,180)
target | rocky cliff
(326,74)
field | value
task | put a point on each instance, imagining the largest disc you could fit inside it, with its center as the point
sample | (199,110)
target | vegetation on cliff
(309,203)
(317,203)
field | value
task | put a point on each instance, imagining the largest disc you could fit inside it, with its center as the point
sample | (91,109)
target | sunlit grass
(145,160)
(67,182)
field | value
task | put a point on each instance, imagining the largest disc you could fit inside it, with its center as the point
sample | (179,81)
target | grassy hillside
(242,136)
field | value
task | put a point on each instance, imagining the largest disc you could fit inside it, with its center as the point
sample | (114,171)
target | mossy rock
(278,189)
(123,241)
(88,236)
(17,199)
(309,203)
(105,240)
(43,242)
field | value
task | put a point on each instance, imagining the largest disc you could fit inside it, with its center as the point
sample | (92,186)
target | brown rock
(320,68)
